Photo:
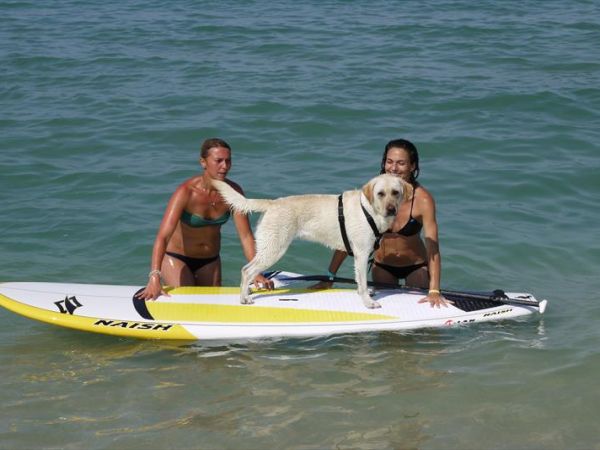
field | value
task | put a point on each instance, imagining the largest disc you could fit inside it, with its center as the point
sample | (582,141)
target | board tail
(237,201)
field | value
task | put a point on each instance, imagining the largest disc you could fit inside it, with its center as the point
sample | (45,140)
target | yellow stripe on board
(127,328)
(253,314)
(216,313)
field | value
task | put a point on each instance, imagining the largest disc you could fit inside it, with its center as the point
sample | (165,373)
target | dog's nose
(391,210)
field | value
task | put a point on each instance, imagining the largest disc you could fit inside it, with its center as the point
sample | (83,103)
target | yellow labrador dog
(351,222)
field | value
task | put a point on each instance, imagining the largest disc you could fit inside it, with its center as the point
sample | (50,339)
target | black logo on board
(68,305)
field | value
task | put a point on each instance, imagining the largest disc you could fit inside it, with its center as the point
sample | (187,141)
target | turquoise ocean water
(103,108)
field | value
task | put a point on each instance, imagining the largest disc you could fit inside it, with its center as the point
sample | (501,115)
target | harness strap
(373,227)
(342,221)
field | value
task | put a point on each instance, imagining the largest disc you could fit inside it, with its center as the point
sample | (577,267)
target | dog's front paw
(372,304)
(246,301)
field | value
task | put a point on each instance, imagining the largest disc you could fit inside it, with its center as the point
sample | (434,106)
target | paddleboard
(215,313)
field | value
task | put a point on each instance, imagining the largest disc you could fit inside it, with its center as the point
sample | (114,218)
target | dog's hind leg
(245,283)
(361,264)
(269,250)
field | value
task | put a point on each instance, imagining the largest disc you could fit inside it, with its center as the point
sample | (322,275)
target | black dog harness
(342,221)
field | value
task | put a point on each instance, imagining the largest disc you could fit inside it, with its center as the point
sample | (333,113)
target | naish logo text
(495,313)
(132,325)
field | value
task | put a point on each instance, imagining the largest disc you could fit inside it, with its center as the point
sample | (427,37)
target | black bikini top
(413,226)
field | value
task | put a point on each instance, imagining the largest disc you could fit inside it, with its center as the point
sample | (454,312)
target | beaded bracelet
(434,291)
(154,272)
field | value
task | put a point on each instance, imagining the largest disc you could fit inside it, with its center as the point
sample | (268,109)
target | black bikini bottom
(401,272)
(193,264)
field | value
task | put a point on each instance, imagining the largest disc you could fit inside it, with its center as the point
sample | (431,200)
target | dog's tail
(237,201)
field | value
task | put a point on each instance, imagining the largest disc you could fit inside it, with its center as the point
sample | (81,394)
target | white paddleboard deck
(215,313)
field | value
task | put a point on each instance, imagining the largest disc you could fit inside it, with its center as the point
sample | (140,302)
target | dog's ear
(368,191)
(407,190)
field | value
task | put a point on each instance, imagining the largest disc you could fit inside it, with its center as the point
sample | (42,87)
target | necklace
(212,203)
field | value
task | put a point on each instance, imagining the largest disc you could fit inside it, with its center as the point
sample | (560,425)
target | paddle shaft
(500,297)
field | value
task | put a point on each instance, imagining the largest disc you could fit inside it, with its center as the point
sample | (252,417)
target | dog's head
(386,193)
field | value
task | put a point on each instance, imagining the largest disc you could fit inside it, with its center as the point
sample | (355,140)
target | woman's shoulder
(187,187)
(193,181)
(423,196)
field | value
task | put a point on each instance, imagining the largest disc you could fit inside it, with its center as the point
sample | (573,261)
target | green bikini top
(196,221)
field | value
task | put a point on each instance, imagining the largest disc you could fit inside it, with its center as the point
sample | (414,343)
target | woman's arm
(167,226)
(434,258)
(336,262)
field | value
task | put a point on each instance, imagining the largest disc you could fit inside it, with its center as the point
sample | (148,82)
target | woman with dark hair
(187,245)
(410,249)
